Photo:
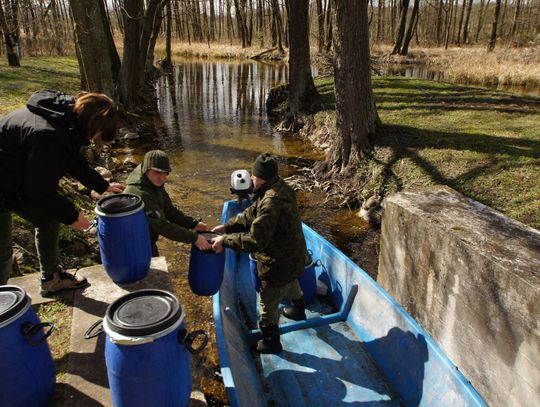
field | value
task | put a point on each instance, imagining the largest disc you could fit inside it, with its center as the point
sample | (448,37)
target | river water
(211,122)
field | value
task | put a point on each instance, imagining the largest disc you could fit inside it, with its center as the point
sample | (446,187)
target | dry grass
(504,66)
(209,51)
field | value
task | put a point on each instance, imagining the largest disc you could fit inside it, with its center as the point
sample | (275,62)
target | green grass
(484,144)
(18,83)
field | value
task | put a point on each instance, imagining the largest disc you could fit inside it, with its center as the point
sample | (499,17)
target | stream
(211,122)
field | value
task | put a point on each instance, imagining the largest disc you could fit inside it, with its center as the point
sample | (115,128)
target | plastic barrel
(254,275)
(124,237)
(147,350)
(206,269)
(27,371)
(307,280)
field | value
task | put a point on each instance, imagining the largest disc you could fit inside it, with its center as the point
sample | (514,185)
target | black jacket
(38,146)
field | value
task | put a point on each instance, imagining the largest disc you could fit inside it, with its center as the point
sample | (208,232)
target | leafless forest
(46,27)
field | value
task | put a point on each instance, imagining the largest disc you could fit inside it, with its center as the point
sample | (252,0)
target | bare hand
(200,227)
(217,244)
(202,243)
(219,229)
(81,223)
(116,187)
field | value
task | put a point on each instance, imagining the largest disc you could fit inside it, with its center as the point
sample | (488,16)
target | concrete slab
(86,378)
(31,283)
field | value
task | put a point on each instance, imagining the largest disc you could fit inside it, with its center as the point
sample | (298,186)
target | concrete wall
(471,277)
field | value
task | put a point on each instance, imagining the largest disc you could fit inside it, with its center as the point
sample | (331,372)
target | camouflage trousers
(270,298)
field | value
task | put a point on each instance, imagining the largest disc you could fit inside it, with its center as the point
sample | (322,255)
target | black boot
(297,311)
(270,342)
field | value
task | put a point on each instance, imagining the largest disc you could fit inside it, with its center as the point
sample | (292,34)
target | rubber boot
(270,342)
(297,311)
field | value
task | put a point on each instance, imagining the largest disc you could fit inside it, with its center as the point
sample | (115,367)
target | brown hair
(96,112)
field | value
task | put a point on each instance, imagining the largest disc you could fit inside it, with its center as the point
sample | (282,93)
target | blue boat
(357,347)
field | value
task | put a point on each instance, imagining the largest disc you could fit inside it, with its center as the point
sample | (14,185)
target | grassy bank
(18,83)
(503,66)
(485,144)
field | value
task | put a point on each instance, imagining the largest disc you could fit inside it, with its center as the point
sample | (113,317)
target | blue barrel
(124,237)
(27,372)
(206,268)
(254,274)
(147,350)
(307,280)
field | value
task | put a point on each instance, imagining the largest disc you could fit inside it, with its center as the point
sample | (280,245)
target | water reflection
(204,98)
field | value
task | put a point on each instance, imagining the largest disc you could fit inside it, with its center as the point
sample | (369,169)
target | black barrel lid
(143,313)
(119,203)
(13,299)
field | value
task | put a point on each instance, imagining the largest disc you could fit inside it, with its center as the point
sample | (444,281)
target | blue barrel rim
(122,326)
(15,305)
(137,208)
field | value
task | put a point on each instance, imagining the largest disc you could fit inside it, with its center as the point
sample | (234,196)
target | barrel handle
(89,334)
(29,330)
(93,224)
(188,339)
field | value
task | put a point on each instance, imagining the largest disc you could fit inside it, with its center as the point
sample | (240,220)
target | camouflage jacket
(271,229)
(163,217)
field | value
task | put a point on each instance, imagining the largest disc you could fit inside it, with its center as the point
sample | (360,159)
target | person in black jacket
(39,144)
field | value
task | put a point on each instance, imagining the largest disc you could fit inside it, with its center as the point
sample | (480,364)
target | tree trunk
(410,31)
(493,38)
(131,72)
(462,14)
(380,23)
(10,39)
(151,45)
(516,18)
(301,86)
(94,42)
(277,25)
(401,27)
(466,24)
(320,25)
(356,113)
(167,61)
(240,22)
(329,23)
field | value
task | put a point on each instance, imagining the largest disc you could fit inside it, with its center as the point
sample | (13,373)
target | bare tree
(93,41)
(11,38)
(493,37)
(410,30)
(301,87)
(356,113)
(401,28)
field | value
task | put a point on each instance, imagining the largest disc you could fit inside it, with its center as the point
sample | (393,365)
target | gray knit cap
(265,167)
(156,160)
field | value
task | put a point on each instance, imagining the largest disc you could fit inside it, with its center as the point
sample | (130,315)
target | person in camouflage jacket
(147,180)
(271,229)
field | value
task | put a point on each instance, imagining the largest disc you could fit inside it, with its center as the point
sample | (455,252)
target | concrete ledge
(86,378)
(471,277)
